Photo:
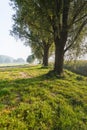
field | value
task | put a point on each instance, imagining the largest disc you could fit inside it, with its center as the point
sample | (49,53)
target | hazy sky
(8,45)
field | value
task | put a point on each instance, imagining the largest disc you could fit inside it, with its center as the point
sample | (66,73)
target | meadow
(32,100)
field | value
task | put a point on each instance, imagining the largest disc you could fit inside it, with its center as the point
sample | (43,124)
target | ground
(31,100)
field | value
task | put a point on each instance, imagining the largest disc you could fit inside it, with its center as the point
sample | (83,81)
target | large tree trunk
(60,31)
(59,51)
(59,59)
(45,55)
(59,54)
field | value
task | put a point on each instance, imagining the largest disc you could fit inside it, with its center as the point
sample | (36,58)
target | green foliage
(30,58)
(29,100)
(62,22)
(28,26)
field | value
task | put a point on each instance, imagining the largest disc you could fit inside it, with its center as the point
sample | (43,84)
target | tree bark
(59,58)
(45,55)
(60,32)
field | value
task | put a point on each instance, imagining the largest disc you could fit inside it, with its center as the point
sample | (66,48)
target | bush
(79,67)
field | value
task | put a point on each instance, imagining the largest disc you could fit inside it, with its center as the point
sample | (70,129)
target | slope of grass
(30,100)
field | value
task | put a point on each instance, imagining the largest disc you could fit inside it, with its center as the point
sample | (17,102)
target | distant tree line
(7,59)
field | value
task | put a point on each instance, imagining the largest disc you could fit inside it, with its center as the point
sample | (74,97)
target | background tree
(30,58)
(41,46)
(35,34)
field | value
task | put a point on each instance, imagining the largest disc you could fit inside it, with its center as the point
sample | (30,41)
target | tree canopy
(63,21)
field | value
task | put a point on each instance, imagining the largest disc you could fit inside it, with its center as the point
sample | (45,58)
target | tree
(30,58)
(34,33)
(40,46)
(19,60)
(70,17)
(66,19)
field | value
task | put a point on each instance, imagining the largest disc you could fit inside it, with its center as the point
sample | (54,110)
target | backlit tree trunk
(45,54)
(59,59)
(60,36)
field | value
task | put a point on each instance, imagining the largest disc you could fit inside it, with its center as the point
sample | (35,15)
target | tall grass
(79,67)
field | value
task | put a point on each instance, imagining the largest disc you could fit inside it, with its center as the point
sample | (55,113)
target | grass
(30,100)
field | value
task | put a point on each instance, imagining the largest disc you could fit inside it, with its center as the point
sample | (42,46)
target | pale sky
(8,44)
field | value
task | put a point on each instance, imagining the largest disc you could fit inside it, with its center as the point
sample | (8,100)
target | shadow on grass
(6,85)
(15,91)
(51,75)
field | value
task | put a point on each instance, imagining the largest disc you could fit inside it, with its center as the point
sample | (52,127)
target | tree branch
(75,38)
(76,14)
(80,18)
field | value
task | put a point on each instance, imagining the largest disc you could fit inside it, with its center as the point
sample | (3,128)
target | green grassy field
(31,100)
